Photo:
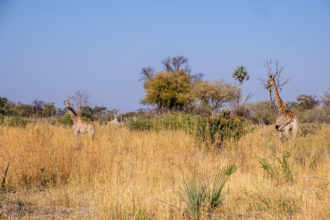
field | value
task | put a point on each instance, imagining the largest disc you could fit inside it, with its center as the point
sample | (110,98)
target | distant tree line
(175,88)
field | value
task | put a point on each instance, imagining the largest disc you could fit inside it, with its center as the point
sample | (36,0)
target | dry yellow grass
(134,175)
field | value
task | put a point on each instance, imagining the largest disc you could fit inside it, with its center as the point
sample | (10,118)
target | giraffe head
(67,103)
(270,81)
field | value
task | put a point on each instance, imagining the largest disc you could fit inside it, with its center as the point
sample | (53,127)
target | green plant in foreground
(266,166)
(216,196)
(199,194)
(284,170)
(195,194)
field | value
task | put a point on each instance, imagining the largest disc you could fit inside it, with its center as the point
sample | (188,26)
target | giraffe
(285,120)
(79,125)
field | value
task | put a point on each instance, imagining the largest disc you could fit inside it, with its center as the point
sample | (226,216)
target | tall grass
(129,174)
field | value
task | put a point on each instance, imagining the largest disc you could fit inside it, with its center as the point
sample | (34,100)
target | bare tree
(80,99)
(38,106)
(146,73)
(277,76)
(197,77)
(325,97)
(176,63)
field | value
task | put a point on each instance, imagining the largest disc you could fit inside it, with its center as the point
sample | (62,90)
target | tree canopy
(213,95)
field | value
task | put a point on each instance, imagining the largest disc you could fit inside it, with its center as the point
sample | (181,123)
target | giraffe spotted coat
(286,121)
(79,125)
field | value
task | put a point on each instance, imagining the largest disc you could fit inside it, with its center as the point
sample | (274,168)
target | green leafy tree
(49,110)
(307,102)
(213,95)
(86,112)
(3,103)
(241,74)
(23,110)
(170,89)
(100,113)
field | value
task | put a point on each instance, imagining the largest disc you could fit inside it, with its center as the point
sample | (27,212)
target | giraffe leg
(76,132)
(294,129)
(91,132)
(286,132)
(280,134)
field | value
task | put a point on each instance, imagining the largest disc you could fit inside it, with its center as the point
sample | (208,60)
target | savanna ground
(125,174)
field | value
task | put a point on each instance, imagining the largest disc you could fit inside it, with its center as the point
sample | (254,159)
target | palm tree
(240,74)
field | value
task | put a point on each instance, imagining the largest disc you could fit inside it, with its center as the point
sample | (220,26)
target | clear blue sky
(50,49)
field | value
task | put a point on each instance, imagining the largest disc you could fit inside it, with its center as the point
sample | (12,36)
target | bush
(318,114)
(65,119)
(201,127)
(14,121)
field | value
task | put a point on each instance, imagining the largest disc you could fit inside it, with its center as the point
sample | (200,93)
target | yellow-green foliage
(124,174)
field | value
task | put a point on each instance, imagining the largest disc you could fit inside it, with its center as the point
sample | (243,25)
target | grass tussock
(128,174)
(202,196)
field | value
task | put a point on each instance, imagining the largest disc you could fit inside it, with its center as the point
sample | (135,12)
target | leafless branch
(197,77)
(146,73)
(80,99)
(176,63)
(277,76)
(248,97)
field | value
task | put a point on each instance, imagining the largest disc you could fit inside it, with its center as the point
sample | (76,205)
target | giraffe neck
(281,106)
(73,114)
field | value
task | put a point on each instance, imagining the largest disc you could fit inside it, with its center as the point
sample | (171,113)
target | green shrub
(140,124)
(14,121)
(17,121)
(65,119)
(202,128)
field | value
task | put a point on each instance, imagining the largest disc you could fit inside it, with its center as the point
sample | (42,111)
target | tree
(176,63)
(325,97)
(147,73)
(86,112)
(3,103)
(307,102)
(240,74)
(80,99)
(277,76)
(38,106)
(213,95)
(23,110)
(100,113)
(49,110)
(169,90)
